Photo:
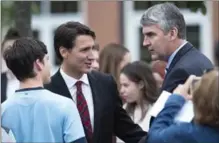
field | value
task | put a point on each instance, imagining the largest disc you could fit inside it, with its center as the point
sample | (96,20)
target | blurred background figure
(158,68)
(139,90)
(113,58)
(95,64)
(9,83)
(216,54)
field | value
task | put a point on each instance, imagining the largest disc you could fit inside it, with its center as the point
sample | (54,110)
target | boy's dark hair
(66,34)
(22,55)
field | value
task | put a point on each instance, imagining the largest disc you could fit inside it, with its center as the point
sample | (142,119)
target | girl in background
(113,58)
(139,91)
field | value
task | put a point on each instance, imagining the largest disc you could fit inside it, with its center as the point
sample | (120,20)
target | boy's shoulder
(59,99)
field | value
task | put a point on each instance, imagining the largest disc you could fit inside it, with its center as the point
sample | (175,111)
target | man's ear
(173,33)
(63,52)
(38,65)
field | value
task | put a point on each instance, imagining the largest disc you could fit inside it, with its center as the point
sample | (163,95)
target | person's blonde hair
(206,99)
(110,58)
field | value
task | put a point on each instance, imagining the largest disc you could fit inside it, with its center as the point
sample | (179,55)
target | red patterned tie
(84,112)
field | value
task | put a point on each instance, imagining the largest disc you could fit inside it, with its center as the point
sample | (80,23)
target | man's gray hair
(167,16)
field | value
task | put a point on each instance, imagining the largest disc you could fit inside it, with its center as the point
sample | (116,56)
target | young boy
(33,113)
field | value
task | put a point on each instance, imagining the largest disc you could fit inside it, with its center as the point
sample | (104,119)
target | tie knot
(78,84)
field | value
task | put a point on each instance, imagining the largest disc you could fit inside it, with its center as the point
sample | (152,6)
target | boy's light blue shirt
(38,115)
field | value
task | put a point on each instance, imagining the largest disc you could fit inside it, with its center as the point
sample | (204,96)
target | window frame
(50,23)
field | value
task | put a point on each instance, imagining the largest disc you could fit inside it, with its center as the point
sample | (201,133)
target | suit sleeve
(164,129)
(177,77)
(72,127)
(124,127)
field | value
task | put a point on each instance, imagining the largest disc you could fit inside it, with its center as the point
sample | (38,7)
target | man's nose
(91,55)
(146,42)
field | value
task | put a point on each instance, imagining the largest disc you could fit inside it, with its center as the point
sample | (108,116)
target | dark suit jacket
(4,82)
(109,116)
(187,61)
(165,130)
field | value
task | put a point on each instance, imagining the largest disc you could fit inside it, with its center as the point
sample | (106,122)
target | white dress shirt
(86,90)
(136,118)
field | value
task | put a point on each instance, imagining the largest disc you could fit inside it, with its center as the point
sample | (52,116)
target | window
(193,35)
(36,7)
(35,34)
(143,5)
(64,6)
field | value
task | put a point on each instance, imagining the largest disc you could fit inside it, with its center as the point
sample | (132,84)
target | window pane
(36,7)
(143,5)
(35,34)
(193,35)
(64,6)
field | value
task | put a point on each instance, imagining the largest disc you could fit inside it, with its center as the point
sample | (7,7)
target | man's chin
(154,57)
(86,70)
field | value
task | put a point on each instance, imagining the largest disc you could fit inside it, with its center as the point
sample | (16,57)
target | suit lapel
(187,47)
(96,91)
(179,55)
(60,85)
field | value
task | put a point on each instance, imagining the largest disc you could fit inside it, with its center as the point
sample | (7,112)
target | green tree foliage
(8,12)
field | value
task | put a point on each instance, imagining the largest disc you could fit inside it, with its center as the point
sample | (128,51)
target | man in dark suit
(4,83)
(216,53)
(94,93)
(164,32)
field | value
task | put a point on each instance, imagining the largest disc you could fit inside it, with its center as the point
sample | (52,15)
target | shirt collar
(70,81)
(170,59)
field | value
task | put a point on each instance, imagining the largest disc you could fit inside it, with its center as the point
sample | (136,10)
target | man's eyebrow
(149,33)
(88,47)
